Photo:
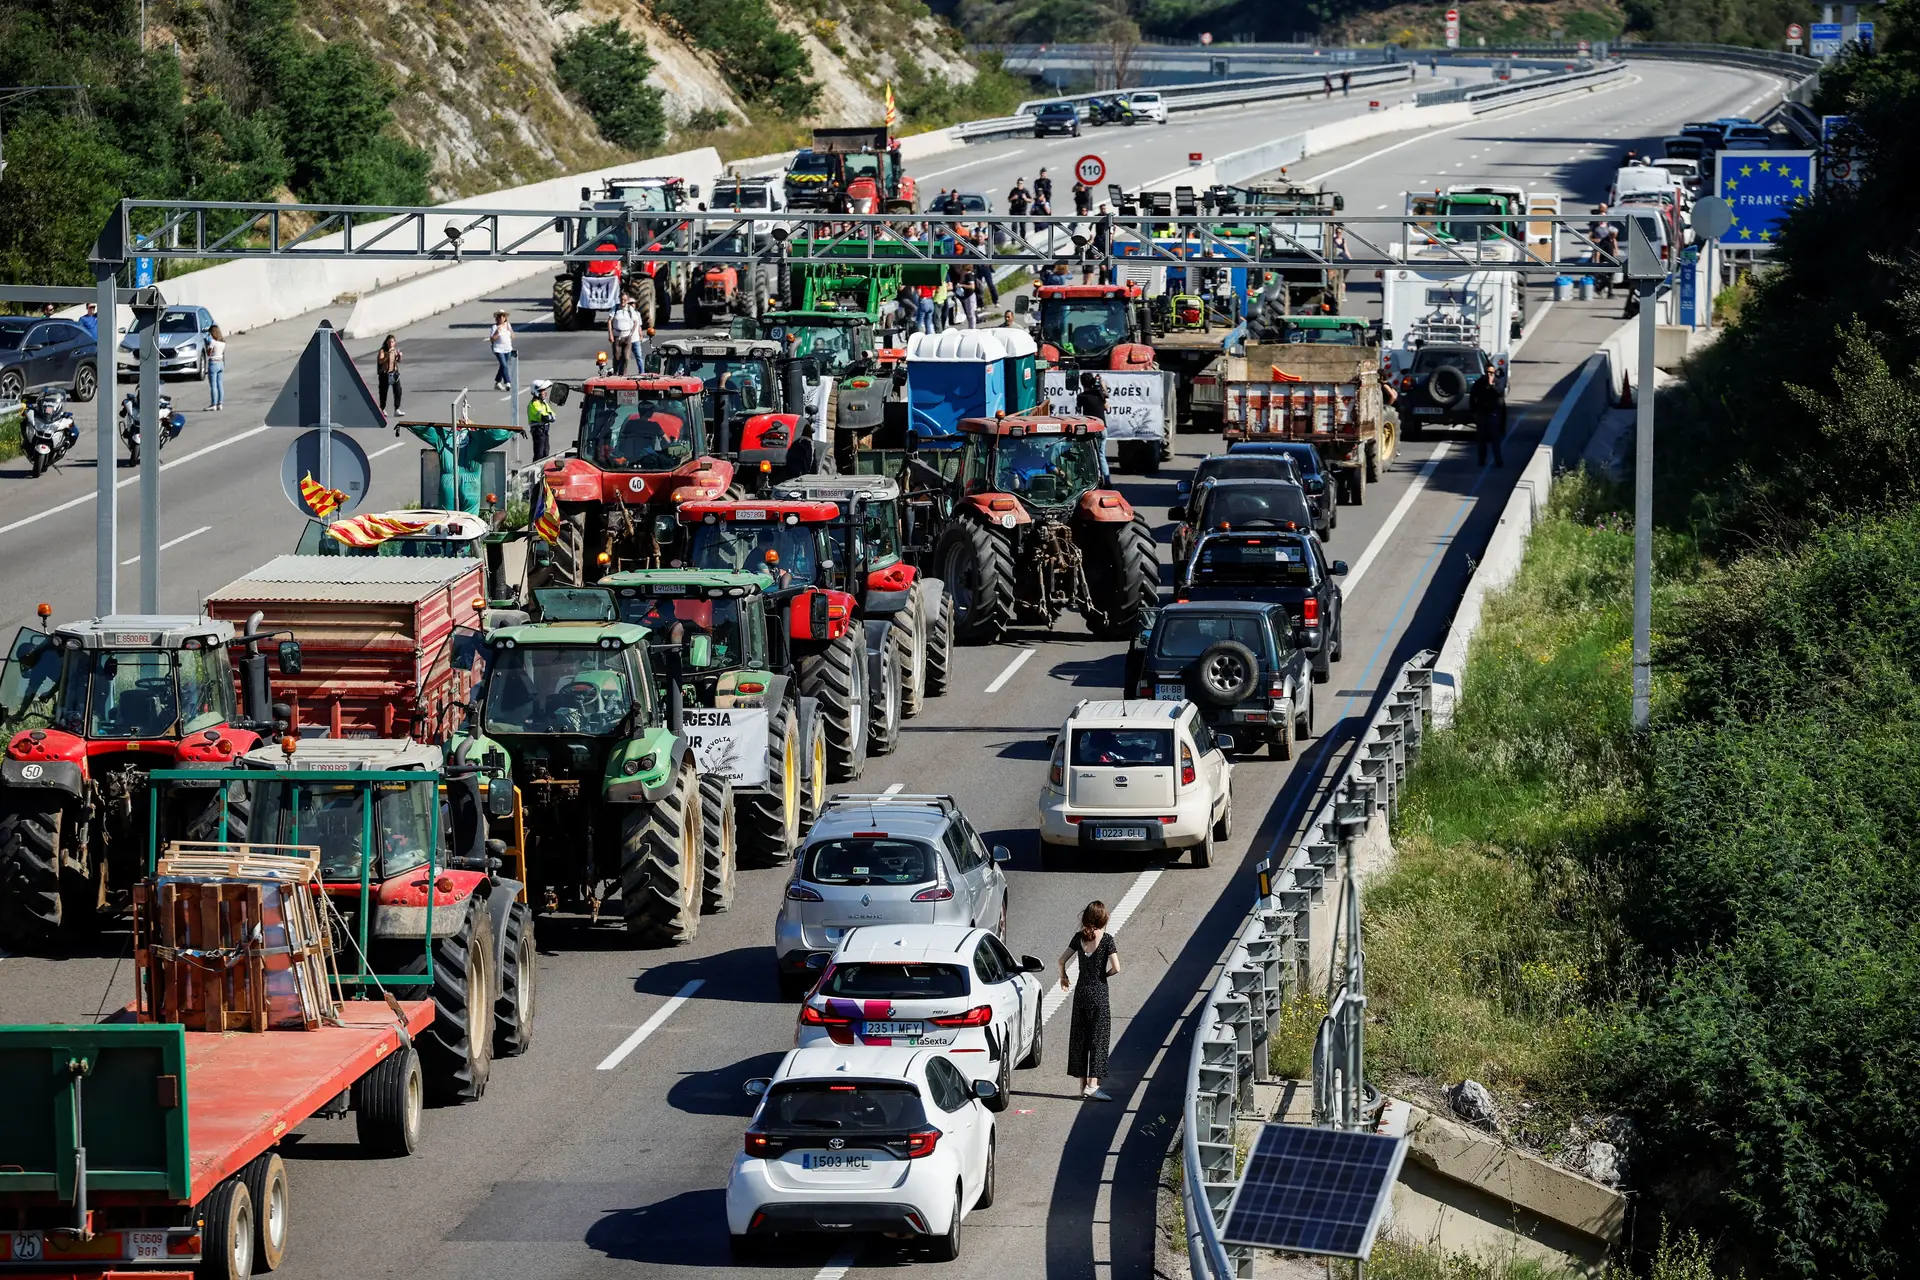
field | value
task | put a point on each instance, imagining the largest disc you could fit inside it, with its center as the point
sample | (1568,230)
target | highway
(581,1162)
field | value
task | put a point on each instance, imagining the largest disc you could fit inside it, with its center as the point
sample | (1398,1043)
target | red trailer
(381,638)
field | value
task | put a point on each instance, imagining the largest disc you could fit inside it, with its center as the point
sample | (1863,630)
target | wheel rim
(479,997)
(690,837)
(790,787)
(955,572)
(415,1099)
(240,1246)
(819,770)
(84,385)
(526,974)
(1226,673)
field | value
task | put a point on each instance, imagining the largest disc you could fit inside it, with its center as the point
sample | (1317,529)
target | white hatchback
(1148,105)
(862,1139)
(949,987)
(1136,776)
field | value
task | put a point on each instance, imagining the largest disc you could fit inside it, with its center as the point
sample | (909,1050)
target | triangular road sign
(350,404)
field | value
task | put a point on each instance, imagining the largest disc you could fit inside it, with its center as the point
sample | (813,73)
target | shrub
(606,69)
(765,64)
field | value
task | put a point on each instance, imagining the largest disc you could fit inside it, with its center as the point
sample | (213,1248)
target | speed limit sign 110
(1091,170)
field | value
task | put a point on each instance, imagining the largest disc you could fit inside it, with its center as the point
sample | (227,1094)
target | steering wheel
(572,714)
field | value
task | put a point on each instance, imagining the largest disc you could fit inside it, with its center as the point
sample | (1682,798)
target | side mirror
(1032,964)
(499,797)
(1002,854)
(700,652)
(1176,513)
(559,392)
(1224,741)
(1023,304)
(1053,740)
(289,657)
(985,1090)
(1339,568)
(758,1086)
(693,191)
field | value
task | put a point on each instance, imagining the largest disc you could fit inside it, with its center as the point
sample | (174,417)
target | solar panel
(1309,1190)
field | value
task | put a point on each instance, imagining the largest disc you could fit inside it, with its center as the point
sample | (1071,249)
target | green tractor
(843,383)
(597,748)
(745,716)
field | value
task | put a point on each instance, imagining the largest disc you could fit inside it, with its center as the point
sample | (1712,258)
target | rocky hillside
(1498,21)
(478,88)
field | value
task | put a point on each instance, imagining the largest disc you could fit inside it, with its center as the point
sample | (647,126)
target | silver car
(879,859)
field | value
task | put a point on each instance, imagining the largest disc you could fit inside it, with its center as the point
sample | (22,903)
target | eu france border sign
(1761,186)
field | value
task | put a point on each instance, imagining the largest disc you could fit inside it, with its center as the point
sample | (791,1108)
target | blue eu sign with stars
(1762,186)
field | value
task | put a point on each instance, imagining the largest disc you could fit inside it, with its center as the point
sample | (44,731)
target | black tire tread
(380,1109)
(654,854)
(512,1032)
(455,1064)
(719,848)
(940,648)
(911,624)
(767,834)
(1130,575)
(988,559)
(832,677)
(884,737)
(30,904)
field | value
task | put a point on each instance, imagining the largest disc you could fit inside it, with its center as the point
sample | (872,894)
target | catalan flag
(893,116)
(371,530)
(545,516)
(321,500)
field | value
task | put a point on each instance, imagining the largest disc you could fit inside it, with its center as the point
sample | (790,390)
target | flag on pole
(892,115)
(545,516)
(321,500)
(370,530)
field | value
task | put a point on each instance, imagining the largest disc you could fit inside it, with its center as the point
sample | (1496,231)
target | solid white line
(1533,327)
(88,496)
(841,1264)
(1121,913)
(1004,155)
(895,789)
(205,528)
(651,1025)
(1019,660)
(1399,513)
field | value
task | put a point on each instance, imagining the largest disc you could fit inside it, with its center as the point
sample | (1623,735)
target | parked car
(1748,137)
(1286,568)
(1239,504)
(1056,117)
(1243,663)
(1313,476)
(36,353)
(878,859)
(183,343)
(931,986)
(1227,466)
(1148,105)
(855,1139)
(1708,131)
(1136,776)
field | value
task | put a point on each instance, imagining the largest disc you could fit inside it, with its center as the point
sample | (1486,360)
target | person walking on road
(386,364)
(500,340)
(1489,418)
(1346,84)
(1043,187)
(1098,959)
(540,418)
(216,368)
(1017,202)
(1606,240)
(623,324)
(1327,80)
(1091,402)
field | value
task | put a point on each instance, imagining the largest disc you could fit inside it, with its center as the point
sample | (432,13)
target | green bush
(764,64)
(606,69)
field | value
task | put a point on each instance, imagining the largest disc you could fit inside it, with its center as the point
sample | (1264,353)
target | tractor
(851,170)
(745,716)
(843,381)
(89,709)
(641,451)
(1035,532)
(763,420)
(607,248)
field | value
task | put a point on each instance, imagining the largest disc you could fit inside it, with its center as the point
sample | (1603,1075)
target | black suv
(1437,388)
(1239,504)
(1243,663)
(1283,568)
(1313,476)
(1056,117)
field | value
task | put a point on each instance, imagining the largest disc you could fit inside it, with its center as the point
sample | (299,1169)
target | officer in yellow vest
(540,417)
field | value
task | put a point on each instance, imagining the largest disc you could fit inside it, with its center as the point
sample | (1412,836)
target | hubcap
(690,836)
(1226,672)
(241,1246)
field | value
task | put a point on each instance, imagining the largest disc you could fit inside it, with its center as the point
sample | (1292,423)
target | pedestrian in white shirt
(216,368)
(500,338)
(622,325)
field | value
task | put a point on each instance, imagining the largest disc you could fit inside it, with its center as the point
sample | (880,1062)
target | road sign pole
(106,516)
(326,428)
(1649,291)
(149,429)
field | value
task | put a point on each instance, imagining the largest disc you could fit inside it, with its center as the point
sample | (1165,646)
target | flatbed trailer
(175,1173)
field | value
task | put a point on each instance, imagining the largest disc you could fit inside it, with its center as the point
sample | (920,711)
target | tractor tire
(718,849)
(570,556)
(647,303)
(911,624)
(31,908)
(457,1061)
(770,820)
(513,1005)
(837,677)
(386,1104)
(660,861)
(566,306)
(814,789)
(205,825)
(976,563)
(887,697)
(762,293)
(940,647)
(1123,574)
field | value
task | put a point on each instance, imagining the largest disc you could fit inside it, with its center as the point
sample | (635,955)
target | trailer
(1326,395)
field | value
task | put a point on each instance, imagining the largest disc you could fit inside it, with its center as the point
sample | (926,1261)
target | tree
(606,70)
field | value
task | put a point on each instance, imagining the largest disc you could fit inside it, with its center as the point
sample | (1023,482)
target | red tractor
(856,170)
(89,709)
(640,454)
(1035,532)
(632,217)
(1094,326)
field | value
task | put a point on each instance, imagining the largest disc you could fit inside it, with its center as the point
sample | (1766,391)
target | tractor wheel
(660,865)
(770,819)
(566,306)
(570,558)
(647,303)
(205,825)
(718,850)
(887,696)
(456,1060)
(813,790)
(976,563)
(911,624)
(513,1006)
(940,647)
(837,676)
(1123,574)
(762,293)
(386,1104)
(30,901)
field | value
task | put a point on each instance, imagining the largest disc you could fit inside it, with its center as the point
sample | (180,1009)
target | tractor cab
(1043,462)
(1085,326)
(870,533)
(717,620)
(786,541)
(642,424)
(741,380)
(839,343)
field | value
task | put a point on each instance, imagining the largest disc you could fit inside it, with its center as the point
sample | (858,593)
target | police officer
(1489,417)
(540,417)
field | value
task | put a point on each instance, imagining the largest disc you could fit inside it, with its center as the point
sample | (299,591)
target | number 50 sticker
(1091,170)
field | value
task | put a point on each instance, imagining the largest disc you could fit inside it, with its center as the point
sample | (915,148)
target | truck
(1323,393)
(851,170)
(608,245)
(1438,243)
(1208,393)
(1434,303)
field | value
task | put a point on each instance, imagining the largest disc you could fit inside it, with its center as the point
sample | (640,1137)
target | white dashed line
(205,528)
(650,1026)
(1019,660)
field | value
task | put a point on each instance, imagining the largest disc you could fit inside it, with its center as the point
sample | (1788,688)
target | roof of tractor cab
(640,582)
(673,386)
(145,631)
(750,512)
(1089,291)
(1327,322)
(348,754)
(570,635)
(838,488)
(1020,424)
(733,348)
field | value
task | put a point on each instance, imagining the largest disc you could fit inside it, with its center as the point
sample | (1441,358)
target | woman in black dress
(1099,959)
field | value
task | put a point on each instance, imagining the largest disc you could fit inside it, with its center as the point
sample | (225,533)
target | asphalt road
(568,1169)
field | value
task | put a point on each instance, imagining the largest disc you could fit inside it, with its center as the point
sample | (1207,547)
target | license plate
(750,513)
(146,1244)
(1169,693)
(836,1161)
(1119,833)
(895,1030)
(1426,408)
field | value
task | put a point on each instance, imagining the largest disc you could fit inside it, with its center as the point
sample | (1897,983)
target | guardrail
(1487,97)
(1269,960)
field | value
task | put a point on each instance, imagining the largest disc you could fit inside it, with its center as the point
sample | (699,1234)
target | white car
(1136,777)
(949,987)
(1148,105)
(855,1140)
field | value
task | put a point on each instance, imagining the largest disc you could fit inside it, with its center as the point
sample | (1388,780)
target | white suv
(855,1140)
(1136,777)
(949,987)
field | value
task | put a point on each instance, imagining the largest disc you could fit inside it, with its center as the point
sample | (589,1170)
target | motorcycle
(170,422)
(47,429)
(1109,111)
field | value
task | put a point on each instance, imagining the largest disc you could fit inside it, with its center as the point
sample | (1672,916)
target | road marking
(1399,513)
(397,444)
(205,528)
(841,1264)
(650,1026)
(1019,660)
(1121,913)
(895,789)
(1004,155)
(88,496)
